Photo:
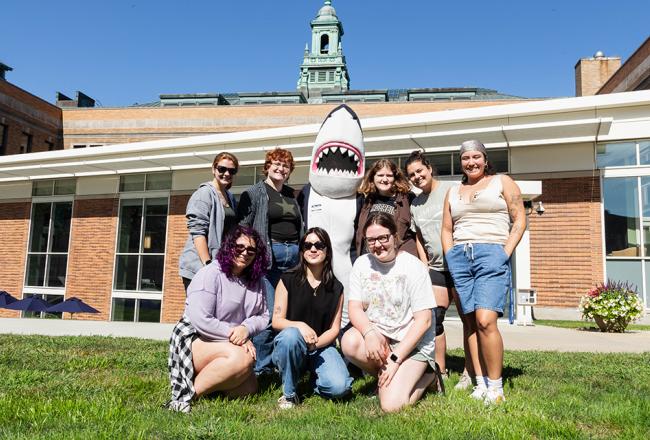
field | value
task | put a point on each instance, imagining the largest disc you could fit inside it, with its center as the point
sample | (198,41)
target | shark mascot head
(338,157)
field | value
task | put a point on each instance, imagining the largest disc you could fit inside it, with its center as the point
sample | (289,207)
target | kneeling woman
(390,307)
(308,308)
(210,347)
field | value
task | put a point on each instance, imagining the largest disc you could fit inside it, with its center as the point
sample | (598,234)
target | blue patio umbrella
(6,299)
(72,305)
(31,304)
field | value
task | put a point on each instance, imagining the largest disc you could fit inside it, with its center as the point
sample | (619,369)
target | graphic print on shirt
(384,297)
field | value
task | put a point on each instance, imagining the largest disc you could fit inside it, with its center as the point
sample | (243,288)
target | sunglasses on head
(250,250)
(222,170)
(319,245)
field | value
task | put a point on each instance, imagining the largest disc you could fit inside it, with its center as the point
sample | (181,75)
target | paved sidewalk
(540,338)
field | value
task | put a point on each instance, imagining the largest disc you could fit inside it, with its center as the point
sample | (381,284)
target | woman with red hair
(271,209)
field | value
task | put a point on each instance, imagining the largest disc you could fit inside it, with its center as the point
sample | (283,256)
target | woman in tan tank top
(483,221)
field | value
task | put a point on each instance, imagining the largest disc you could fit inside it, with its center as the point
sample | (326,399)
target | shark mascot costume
(330,200)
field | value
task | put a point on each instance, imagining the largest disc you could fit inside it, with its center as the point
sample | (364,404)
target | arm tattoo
(277,310)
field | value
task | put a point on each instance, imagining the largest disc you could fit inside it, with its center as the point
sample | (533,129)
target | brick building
(27,123)
(106,224)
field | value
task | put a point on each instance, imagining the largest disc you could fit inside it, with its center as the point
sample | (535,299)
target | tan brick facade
(565,243)
(592,73)
(86,126)
(92,254)
(174,295)
(14,228)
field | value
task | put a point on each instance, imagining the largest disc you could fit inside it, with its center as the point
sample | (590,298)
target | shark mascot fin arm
(330,200)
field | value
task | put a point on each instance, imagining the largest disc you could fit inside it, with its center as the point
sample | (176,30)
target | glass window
(132,182)
(136,310)
(615,155)
(499,160)
(645,219)
(621,217)
(158,181)
(51,300)
(246,176)
(442,162)
(47,255)
(140,258)
(58,187)
(626,271)
(644,153)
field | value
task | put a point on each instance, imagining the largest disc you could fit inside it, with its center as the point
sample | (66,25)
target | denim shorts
(481,273)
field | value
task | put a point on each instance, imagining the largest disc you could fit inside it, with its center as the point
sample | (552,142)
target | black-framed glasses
(319,245)
(250,250)
(222,170)
(383,239)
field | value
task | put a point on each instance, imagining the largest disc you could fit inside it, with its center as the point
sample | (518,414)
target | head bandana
(473,145)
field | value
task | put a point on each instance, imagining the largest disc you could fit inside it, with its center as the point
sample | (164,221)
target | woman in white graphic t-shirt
(390,306)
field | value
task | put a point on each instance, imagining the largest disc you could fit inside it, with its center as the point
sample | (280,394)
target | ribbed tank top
(484,219)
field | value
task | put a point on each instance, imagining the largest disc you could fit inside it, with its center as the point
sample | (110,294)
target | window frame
(44,289)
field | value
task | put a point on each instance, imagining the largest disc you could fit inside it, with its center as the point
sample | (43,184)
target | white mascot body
(335,173)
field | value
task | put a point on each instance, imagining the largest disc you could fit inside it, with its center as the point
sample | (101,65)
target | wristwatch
(393,357)
(208,261)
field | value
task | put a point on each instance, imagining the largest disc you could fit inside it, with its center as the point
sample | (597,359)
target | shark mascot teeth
(330,200)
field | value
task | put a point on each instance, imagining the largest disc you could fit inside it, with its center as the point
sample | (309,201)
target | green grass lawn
(586,325)
(106,388)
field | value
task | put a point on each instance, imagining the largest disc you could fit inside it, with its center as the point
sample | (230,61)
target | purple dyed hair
(227,253)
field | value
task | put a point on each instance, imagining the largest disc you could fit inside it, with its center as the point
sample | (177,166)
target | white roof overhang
(554,121)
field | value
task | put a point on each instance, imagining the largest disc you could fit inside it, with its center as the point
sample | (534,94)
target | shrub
(613,305)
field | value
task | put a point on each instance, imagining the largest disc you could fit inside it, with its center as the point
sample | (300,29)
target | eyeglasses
(319,245)
(250,250)
(222,170)
(380,238)
(281,165)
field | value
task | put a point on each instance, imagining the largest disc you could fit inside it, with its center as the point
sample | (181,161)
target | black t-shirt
(284,218)
(314,307)
(229,220)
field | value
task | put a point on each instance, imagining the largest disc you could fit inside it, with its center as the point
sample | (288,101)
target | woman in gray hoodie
(211,213)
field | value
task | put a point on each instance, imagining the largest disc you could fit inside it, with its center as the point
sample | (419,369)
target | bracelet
(372,329)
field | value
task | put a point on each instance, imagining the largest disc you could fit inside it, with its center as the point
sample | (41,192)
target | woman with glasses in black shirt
(307,315)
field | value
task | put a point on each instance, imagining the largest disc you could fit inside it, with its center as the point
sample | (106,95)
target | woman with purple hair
(210,347)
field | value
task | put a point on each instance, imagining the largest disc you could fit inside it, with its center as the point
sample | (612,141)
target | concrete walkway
(540,338)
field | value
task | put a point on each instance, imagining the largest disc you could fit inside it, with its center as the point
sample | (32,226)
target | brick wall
(124,125)
(565,243)
(14,230)
(174,295)
(20,111)
(92,255)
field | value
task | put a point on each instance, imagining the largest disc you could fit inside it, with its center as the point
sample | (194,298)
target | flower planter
(611,326)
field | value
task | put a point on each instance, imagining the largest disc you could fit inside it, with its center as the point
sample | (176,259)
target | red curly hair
(279,155)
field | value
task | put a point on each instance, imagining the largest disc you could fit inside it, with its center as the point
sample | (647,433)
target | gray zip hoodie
(205,216)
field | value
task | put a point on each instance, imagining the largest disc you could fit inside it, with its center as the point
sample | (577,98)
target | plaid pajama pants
(181,369)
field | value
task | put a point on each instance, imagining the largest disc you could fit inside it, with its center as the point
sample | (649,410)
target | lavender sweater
(216,304)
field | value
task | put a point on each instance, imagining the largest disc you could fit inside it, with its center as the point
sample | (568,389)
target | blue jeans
(292,357)
(285,256)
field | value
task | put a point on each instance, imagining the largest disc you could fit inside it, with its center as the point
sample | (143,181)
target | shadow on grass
(457,364)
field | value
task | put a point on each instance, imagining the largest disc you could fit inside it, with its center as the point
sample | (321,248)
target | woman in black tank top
(307,315)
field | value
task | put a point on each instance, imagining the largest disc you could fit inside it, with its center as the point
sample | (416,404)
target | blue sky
(122,52)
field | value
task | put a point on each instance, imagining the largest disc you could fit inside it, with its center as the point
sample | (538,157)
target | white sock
(495,384)
(481,381)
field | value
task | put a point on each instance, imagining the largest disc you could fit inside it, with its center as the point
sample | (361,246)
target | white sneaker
(494,396)
(464,382)
(285,402)
(479,393)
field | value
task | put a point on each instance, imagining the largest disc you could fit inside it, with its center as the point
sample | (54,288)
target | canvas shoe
(494,396)
(178,406)
(285,402)
(464,382)
(479,393)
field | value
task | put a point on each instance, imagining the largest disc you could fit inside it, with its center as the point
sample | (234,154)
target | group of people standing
(262,295)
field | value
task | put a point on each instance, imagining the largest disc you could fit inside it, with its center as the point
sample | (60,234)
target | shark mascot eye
(330,200)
